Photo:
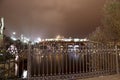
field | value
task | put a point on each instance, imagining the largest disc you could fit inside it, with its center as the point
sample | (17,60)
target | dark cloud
(47,18)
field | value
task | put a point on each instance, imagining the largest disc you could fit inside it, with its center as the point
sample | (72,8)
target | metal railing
(62,60)
(72,60)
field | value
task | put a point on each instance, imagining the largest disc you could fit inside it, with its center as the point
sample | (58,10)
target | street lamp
(14,33)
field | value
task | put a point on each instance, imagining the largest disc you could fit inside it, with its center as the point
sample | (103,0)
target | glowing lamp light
(25,41)
(68,40)
(14,33)
(58,37)
(13,38)
(42,56)
(39,39)
(81,40)
(85,40)
(76,40)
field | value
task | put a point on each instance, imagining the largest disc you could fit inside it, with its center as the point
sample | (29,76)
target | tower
(1,31)
(2,26)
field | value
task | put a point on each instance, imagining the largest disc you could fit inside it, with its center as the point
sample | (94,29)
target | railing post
(29,62)
(117,63)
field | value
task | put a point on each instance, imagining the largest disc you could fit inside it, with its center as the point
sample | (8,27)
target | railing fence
(73,60)
(59,60)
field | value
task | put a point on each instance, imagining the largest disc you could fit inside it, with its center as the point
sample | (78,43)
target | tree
(111,21)
(98,35)
(110,29)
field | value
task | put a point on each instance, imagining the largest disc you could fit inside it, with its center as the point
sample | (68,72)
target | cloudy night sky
(48,18)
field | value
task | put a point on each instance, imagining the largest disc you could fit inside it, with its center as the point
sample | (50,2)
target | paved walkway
(111,77)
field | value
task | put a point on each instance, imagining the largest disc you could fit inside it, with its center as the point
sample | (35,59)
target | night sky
(48,18)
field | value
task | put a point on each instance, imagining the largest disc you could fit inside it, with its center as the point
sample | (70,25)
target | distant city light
(58,37)
(38,40)
(67,40)
(14,33)
(21,37)
(13,38)
(24,39)
(76,40)
(85,39)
